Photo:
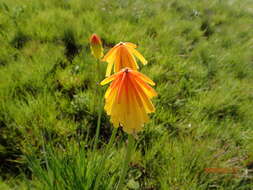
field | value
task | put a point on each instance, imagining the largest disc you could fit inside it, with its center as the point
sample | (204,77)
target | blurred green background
(200,56)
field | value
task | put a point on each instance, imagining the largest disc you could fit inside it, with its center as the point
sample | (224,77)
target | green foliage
(200,56)
(71,167)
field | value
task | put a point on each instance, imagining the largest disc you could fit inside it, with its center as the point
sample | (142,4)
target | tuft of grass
(70,167)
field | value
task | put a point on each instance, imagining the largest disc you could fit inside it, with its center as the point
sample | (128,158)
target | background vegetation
(200,56)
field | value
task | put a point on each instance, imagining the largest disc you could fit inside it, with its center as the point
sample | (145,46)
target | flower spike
(123,55)
(128,99)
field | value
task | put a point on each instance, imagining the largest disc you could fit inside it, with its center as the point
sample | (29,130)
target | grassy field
(200,56)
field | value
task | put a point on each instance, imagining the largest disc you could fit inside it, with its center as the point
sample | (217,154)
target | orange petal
(114,86)
(145,100)
(131,45)
(151,92)
(109,79)
(138,55)
(118,60)
(110,52)
(121,86)
(143,77)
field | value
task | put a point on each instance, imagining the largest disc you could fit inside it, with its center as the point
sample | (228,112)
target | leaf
(132,184)
(5,7)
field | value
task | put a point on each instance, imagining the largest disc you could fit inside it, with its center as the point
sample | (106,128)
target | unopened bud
(96,46)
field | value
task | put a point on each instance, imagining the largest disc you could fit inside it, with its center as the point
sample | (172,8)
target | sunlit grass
(199,55)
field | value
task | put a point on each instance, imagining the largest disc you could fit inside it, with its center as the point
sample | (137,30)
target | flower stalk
(105,155)
(130,147)
(98,100)
(97,51)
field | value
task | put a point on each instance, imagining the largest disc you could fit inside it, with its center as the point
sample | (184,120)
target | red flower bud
(96,46)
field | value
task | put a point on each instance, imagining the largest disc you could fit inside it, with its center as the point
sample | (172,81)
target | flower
(96,46)
(123,55)
(127,100)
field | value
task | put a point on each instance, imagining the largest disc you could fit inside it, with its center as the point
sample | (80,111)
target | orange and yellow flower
(96,46)
(128,99)
(123,55)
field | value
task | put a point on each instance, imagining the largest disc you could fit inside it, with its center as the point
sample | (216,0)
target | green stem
(108,147)
(105,155)
(98,125)
(96,90)
(97,99)
(126,162)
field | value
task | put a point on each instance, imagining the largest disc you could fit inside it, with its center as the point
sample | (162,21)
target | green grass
(200,56)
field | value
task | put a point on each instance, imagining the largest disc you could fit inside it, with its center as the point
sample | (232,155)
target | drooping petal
(109,79)
(128,60)
(121,86)
(148,90)
(109,53)
(118,61)
(111,61)
(131,45)
(143,77)
(138,55)
(109,69)
(144,99)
